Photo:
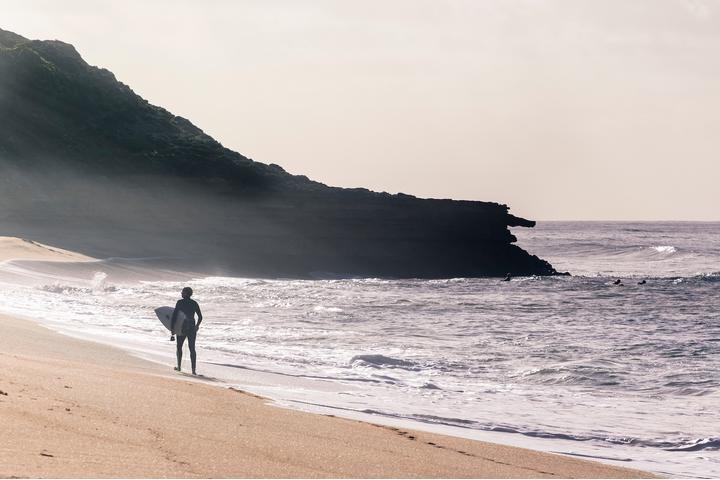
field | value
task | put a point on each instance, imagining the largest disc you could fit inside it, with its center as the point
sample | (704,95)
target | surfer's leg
(180,340)
(193,355)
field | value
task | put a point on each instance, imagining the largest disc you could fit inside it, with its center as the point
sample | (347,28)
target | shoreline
(76,408)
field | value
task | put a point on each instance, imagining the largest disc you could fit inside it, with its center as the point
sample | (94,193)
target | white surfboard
(165,315)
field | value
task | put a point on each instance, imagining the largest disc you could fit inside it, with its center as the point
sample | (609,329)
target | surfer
(189,307)
(507,278)
(618,282)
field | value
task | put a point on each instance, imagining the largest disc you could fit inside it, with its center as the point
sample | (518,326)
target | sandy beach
(72,408)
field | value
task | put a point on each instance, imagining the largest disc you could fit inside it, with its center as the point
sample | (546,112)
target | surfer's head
(186,292)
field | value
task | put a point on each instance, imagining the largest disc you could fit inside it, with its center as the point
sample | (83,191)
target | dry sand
(72,408)
(13,248)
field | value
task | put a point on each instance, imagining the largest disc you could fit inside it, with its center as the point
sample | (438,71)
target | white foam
(664,249)
(320,308)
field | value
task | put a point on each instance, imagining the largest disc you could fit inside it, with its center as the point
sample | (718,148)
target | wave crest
(378,361)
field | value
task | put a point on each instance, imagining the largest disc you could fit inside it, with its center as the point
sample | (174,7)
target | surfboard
(165,315)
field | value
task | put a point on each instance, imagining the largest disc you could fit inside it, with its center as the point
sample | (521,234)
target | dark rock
(87,164)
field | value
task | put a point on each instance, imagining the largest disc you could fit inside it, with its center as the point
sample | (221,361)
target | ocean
(626,374)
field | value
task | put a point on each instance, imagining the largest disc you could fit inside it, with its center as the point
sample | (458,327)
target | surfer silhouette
(189,307)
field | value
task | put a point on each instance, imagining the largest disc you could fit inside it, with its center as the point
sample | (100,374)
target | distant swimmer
(642,282)
(189,307)
(618,282)
(507,278)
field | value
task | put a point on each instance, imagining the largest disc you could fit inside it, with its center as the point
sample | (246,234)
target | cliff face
(88,164)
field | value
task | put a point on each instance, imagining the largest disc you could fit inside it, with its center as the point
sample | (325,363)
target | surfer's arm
(174,317)
(199,314)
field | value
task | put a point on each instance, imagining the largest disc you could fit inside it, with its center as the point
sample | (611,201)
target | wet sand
(73,408)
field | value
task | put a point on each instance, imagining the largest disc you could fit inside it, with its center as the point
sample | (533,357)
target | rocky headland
(88,165)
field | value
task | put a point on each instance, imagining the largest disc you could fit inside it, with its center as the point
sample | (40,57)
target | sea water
(627,374)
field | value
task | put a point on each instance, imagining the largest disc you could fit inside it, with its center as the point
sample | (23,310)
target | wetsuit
(189,330)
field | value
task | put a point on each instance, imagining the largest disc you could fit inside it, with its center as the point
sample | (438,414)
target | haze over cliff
(89,165)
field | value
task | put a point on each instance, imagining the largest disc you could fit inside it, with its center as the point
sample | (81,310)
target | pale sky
(563,109)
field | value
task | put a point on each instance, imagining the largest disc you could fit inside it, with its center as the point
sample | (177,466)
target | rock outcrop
(89,165)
